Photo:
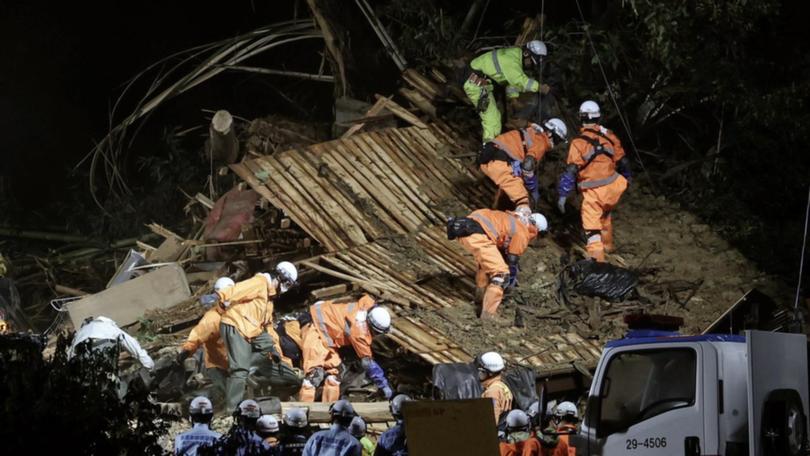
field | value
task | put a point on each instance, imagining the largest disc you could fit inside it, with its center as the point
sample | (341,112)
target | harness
(318,306)
(597,149)
(501,151)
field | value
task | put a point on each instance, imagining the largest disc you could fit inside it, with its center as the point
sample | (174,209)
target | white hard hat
(566,409)
(380,319)
(296,417)
(358,427)
(589,110)
(267,424)
(491,362)
(534,409)
(539,221)
(396,404)
(557,127)
(537,47)
(517,419)
(249,409)
(200,404)
(342,408)
(287,274)
(223,283)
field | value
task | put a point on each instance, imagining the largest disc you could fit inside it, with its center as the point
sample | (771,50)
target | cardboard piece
(127,302)
(438,428)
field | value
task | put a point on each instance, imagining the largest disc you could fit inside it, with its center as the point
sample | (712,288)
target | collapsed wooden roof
(377,202)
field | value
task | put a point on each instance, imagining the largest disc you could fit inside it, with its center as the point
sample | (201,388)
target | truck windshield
(639,385)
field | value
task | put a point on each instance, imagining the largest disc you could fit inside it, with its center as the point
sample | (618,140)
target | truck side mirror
(691,446)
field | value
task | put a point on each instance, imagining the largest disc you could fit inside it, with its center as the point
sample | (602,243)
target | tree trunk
(222,143)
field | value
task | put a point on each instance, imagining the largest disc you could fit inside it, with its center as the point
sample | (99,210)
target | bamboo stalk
(291,74)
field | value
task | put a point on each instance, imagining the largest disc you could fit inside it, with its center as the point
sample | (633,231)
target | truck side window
(639,385)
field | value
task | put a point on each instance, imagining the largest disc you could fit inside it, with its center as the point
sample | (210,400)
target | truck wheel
(784,424)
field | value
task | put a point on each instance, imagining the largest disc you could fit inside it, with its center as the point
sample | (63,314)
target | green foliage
(425,32)
(72,404)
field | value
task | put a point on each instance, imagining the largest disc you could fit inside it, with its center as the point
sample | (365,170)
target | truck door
(648,402)
(777,393)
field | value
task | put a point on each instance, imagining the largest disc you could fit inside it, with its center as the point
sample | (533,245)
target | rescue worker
(242,438)
(336,325)
(597,166)
(490,236)
(490,365)
(519,440)
(246,329)
(103,333)
(512,158)
(506,67)
(358,430)
(296,432)
(335,441)
(200,411)
(565,418)
(393,442)
(207,335)
(268,429)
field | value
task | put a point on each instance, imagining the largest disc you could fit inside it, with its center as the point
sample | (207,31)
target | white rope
(804,246)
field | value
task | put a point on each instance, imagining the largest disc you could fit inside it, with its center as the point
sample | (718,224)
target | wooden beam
(291,74)
(372,412)
(332,45)
(375,109)
(401,112)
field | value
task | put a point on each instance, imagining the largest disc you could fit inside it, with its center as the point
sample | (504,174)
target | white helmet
(223,283)
(534,409)
(200,405)
(249,409)
(358,427)
(287,275)
(396,405)
(491,362)
(517,420)
(557,128)
(588,111)
(296,417)
(566,409)
(267,424)
(537,48)
(539,221)
(380,319)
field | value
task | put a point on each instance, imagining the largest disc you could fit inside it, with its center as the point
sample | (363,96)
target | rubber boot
(331,389)
(596,249)
(492,300)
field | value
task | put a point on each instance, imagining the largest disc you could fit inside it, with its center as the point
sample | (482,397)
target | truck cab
(659,393)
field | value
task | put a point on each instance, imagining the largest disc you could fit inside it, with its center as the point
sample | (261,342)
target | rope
(625,124)
(804,246)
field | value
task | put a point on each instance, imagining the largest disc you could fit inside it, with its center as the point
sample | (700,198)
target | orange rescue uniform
(528,447)
(504,232)
(600,184)
(565,440)
(250,308)
(206,333)
(500,394)
(512,143)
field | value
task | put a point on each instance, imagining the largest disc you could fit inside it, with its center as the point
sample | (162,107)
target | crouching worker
(247,330)
(490,236)
(519,439)
(200,411)
(512,158)
(336,325)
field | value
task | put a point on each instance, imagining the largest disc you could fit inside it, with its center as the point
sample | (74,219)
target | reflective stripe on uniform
(488,223)
(347,328)
(598,182)
(496,63)
(527,138)
(529,85)
(587,157)
(594,238)
(322,324)
(503,147)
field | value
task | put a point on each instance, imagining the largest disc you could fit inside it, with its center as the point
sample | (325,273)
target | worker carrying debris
(334,325)
(512,158)
(247,328)
(597,166)
(207,335)
(490,236)
(507,67)
(490,365)
(102,333)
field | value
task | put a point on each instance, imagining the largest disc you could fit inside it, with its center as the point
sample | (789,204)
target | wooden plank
(419,100)
(402,113)
(126,302)
(372,412)
(330,292)
(406,162)
(375,109)
(352,262)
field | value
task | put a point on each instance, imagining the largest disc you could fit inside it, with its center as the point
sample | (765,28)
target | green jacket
(368,446)
(505,66)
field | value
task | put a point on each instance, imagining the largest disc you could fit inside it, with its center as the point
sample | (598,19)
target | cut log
(372,412)
(222,143)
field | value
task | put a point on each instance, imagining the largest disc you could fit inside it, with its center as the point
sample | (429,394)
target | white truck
(657,393)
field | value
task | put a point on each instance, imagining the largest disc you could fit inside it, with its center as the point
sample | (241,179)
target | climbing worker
(200,411)
(507,67)
(246,328)
(358,430)
(206,334)
(335,441)
(511,160)
(491,235)
(334,325)
(565,418)
(597,166)
(519,439)
(490,365)
(296,432)
(268,429)
(392,442)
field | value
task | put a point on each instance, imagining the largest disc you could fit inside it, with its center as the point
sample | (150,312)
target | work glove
(561,204)
(181,356)
(209,300)
(517,170)
(387,392)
